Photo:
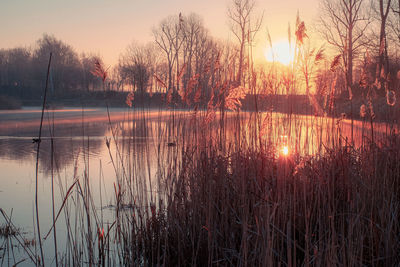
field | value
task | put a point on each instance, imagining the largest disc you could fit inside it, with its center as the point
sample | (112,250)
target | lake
(95,151)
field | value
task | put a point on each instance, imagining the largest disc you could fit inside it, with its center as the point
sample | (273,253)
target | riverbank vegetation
(219,186)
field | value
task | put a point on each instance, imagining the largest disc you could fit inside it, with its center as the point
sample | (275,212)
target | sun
(280,52)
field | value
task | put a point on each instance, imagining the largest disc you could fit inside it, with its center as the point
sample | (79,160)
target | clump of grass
(29,242)
(7,231)
(251,208)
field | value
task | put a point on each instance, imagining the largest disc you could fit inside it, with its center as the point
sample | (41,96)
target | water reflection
(133,151)
(85,131)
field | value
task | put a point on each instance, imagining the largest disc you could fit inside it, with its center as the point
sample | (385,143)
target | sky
(107,27)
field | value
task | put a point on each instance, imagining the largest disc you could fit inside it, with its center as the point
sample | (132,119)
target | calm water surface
(80,150)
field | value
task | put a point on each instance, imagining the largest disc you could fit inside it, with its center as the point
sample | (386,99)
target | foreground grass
(252,209)
(216,200)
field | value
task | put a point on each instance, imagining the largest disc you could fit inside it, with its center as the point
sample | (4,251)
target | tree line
(360,57)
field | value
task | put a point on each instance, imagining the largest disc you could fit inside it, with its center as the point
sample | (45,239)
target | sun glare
(280,52)
(284,145)
(285,151)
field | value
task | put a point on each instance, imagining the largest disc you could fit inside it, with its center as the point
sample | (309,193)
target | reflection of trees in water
(65,151)
(69,141)
(146,139)
(73,127)
(133,128)
(17,149)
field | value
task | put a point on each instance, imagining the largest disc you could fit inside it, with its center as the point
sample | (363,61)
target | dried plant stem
(37,163)
(52,200)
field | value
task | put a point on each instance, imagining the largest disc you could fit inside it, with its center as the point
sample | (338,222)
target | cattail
(377,84)
(129,99)
(99,69)
(383,73)
(371,109)
(335,63)
(100,233)
(236,94)
(210,116)
(301,32)
(363,111)
(391,97)
(211,113)
(319,56)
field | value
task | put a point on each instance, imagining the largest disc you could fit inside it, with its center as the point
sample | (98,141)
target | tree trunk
(241,56)
(350,69)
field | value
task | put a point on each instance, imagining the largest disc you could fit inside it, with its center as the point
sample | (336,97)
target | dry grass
(249,208)
(7,231)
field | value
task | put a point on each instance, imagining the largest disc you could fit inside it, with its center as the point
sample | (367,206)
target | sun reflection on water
(285,150)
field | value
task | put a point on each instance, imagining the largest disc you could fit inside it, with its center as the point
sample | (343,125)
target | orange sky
(107,27)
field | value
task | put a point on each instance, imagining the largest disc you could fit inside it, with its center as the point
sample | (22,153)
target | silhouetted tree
(136,66)
(65,63)
(382,68)
(166,36)
(240,14)
(343,23)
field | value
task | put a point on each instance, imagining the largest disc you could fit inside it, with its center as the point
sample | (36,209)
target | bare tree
(135,66)
(195,35)
(168,36)
(382,68)
(240,15)
(394,20)
(393,29)
(343,24)
(188,53)
(65,66)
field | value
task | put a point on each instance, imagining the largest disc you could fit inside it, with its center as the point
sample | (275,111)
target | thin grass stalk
(38,140)
(52,200)
(19,238)
(51,131)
